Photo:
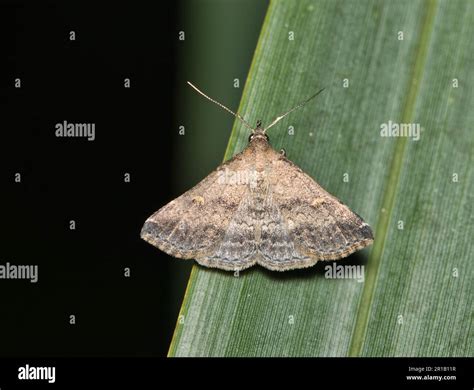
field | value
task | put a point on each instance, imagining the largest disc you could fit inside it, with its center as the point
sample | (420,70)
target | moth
(257,208)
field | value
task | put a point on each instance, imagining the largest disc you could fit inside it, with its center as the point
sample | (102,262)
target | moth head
(258,132)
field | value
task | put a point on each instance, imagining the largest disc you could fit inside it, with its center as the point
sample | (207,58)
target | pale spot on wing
(198,199)
(317,202)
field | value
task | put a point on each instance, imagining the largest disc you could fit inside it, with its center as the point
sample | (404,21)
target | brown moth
(257,208)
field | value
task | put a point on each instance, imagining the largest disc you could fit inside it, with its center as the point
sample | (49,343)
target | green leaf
(416,299)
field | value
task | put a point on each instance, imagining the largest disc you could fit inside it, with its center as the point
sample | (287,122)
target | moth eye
(266,137)
(250,137)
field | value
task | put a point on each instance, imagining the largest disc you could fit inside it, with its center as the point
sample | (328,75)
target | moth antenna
(222,106)
(280,117)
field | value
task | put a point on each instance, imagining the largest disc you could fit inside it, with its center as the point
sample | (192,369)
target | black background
(81,272)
